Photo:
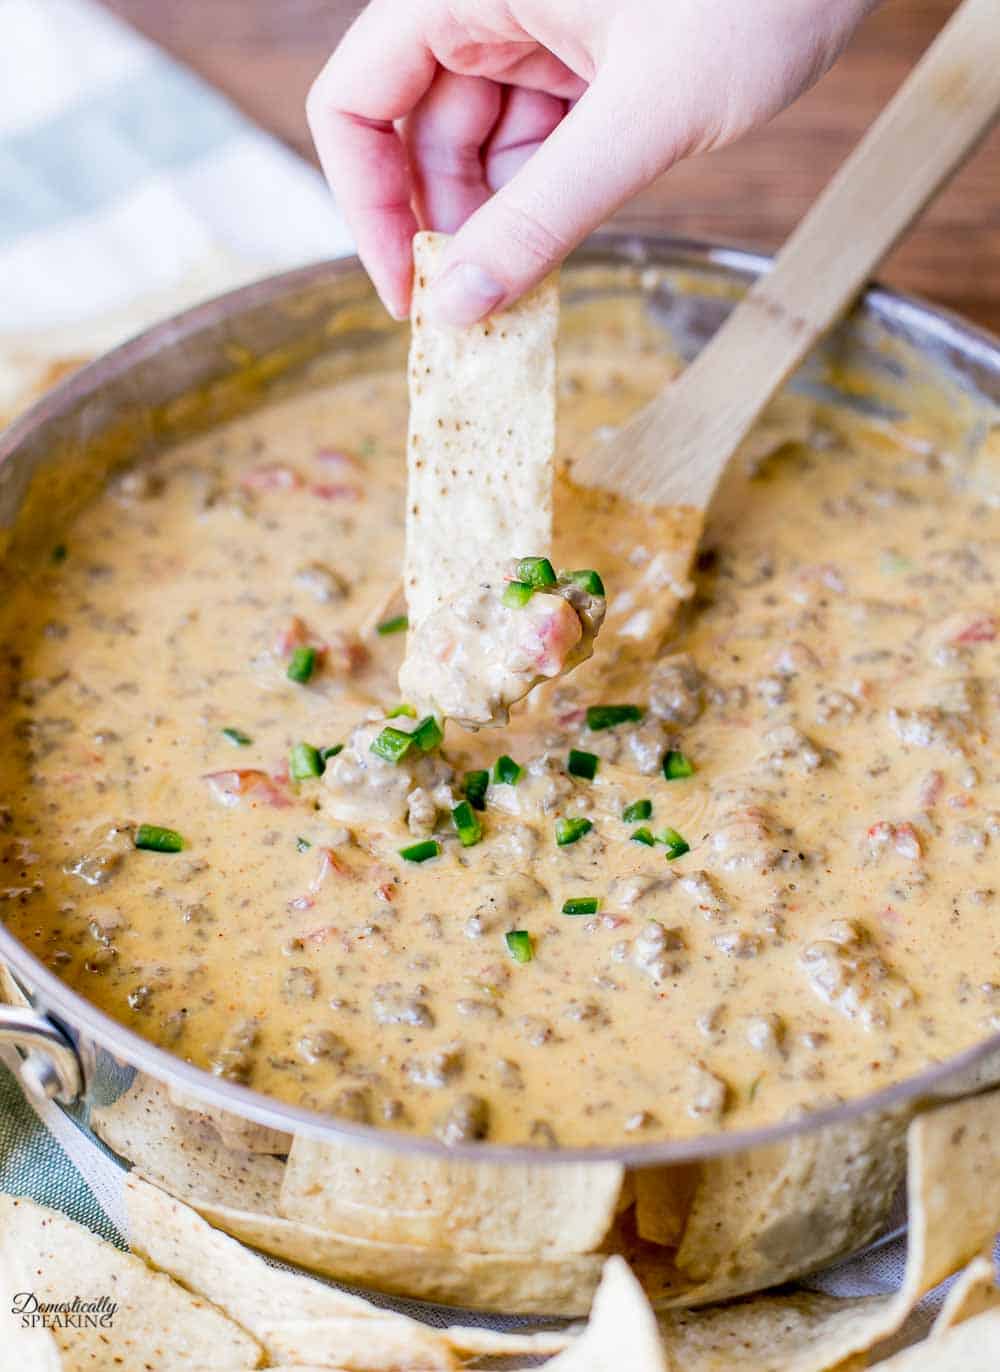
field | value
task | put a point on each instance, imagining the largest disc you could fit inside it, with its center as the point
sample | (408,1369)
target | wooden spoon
(675,449)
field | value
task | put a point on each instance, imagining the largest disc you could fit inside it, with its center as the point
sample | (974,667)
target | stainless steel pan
(231,354)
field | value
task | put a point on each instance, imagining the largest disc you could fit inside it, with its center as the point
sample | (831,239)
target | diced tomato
(345,654)
(325,490)
(297,634)
(231,786)
(317,937)
(903,837)
(982,629)
(292,635)
(329,864)
(559,632)
(271,476)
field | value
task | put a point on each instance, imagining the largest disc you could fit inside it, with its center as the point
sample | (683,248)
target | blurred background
(264,53)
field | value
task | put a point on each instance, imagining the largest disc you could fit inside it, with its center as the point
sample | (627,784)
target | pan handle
(50,1067)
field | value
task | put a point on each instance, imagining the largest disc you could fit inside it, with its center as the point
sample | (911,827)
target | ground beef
(676,690)
(391,1004)
(467,1121)
(846,970)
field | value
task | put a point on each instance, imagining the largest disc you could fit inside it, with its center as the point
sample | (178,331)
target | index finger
(352,121)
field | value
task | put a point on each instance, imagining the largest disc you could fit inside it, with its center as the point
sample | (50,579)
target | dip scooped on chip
(486,622)
(477,654)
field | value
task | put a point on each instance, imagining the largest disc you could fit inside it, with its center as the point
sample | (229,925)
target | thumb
(610,145)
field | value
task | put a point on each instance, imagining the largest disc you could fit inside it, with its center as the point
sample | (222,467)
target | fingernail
(464,294)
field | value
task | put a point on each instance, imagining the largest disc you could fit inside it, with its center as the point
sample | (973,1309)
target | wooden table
(264,54)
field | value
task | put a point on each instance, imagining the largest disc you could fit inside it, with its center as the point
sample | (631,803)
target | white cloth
(126,183)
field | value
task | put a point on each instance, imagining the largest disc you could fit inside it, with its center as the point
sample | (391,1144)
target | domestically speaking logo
(77,1313)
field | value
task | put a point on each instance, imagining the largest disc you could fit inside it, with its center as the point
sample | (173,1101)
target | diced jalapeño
(421,852)
(302,664)
(428,734)
(582,764)
(608,716)
(519,945)
(587,579)
(570,830)
(676,845)
(392,745)
(582,905)
(155,839)
(676,766)
(506,771)
(517,594)
(467,826)
(305,762)
(536,571)
(475,787)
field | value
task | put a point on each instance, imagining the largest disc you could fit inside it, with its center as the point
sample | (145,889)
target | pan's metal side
(185,375)
(707,1218)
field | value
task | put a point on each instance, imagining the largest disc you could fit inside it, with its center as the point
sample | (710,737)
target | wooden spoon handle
(683,440)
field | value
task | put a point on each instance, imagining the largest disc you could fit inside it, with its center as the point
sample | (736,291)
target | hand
(520,125)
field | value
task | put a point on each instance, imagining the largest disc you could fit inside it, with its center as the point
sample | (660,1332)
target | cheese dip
(713,886)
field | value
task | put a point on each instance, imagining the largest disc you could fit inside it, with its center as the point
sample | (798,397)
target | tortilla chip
(374,1345)
(505,1282)
(10,992)
(238,1192)
(481,438)
(157,1323)
(663,1197)
(954,1196)
(621,1332)
(152,1133)
(233,1130)
(356,1188)
(973,1346)
(25,1349)
(758,1218)
(952,1159)
(173,1238)
(770,1334)
(973,1292)
(490,1343)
